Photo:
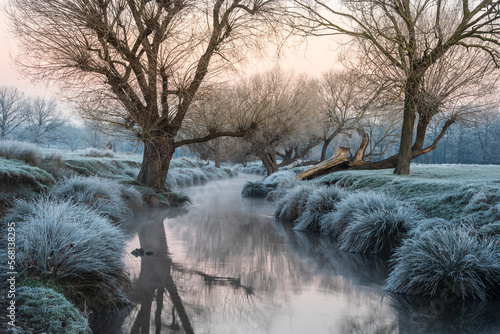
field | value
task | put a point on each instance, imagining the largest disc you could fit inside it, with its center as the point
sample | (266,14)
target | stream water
(224,265)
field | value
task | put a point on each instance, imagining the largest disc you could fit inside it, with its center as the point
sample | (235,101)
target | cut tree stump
(336,162)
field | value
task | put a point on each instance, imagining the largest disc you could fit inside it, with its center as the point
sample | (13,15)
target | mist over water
(224,265)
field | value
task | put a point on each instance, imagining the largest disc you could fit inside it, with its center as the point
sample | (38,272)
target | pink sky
(314,58)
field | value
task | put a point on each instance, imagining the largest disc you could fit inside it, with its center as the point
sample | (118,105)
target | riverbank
(84,202)
(440,225)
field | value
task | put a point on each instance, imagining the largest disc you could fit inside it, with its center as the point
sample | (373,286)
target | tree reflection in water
(233,269)
(156,281)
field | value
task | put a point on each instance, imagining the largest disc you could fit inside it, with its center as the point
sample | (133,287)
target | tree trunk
(269,161)
(341,162)
(326,142)
(158,153)
(412,87)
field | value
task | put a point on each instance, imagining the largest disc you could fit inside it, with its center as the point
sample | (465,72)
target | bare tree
(12,110)
(282,106)
(345,101)
(408,38)
(139,64)
(43,120)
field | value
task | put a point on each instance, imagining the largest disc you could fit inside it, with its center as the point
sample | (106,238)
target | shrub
(379,230)
(446,263)
(71,246)
(255,189)
(321,201)
(50,311)
(293,203)
(107,197)
(27,152)
(98,153)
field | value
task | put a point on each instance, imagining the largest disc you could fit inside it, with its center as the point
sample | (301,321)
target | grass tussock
(73,247)
(450,262)
(378,230)
(50,311)
(107,197)
(321,201)
(255,189)
(293,203)
(283,187)
(27,152)
(355,205)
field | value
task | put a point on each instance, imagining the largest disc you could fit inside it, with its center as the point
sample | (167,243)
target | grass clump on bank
(449,262)
(73,247)
(293,203)
(27,152)
(255,189)
(321,201)
(50,311)
(105,196)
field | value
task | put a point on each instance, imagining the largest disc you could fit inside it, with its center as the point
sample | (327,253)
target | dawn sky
(314,58)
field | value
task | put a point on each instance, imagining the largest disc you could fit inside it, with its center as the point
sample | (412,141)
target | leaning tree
(404,39)
(138,64)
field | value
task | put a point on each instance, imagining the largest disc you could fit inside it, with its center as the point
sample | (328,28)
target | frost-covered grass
(293,203)
(50,311)
(191,176)
(17,179)
(379,230)
(97,153)
(369,222)
(105,196)
(17,173)
(321,201)
(449,262)
(255,189)
(27,152)
(261,189)
(71,246)
(452,192)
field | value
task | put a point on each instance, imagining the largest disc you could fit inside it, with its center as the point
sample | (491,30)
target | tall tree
(139,63)
(12,110)
(408,38)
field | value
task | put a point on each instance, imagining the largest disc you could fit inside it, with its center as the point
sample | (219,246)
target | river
(224,265)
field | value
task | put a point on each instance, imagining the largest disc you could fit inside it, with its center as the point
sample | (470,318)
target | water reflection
(225,266)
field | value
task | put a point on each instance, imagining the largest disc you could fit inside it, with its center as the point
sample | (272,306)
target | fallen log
(339,157)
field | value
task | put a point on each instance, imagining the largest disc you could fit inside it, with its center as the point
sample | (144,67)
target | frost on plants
(283,187)
(98,153)
(446,263)
(191,176)
(50,311)
(322,200)
(255,189)
(353,206)
(29,153)
(278,177)
(293,203)
(71,246)
(378,230)
(107,197)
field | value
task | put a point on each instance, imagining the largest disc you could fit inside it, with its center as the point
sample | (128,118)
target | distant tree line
(41,121)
